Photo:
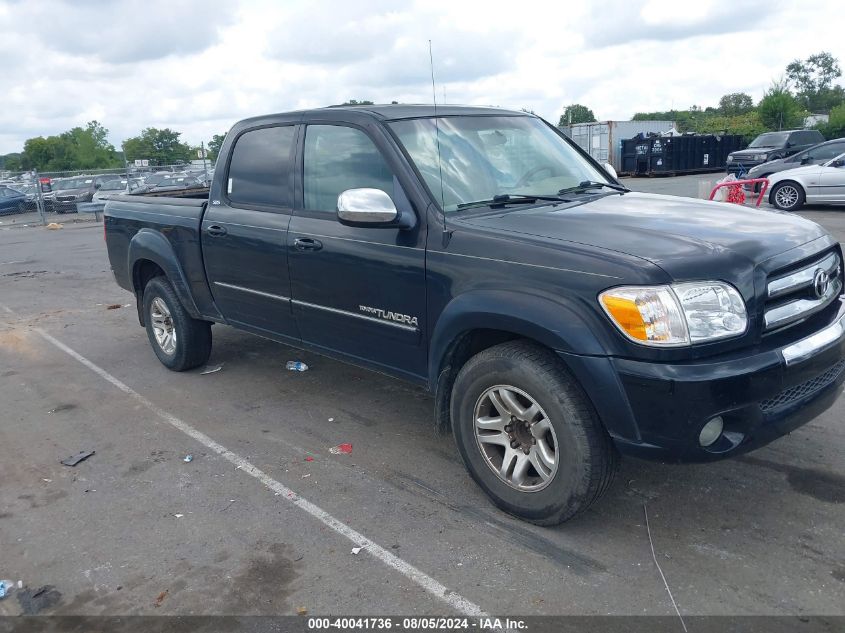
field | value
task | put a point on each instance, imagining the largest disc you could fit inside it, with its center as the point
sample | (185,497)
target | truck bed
(170,226)
(199,193)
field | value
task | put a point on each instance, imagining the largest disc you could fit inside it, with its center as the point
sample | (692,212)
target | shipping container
(685,154)
(603,140)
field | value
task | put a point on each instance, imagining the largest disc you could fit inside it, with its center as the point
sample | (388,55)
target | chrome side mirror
(609,169)
(366,207)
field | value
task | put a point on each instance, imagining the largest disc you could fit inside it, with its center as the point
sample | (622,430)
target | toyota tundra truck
(558,318)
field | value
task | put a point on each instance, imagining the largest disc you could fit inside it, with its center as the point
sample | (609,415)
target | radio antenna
(437,139)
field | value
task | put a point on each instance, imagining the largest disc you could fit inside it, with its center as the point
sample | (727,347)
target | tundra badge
(389,316)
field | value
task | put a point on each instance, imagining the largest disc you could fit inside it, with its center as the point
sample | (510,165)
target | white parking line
(454,600)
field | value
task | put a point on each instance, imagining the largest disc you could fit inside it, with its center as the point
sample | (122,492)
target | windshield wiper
(508,198)
(592,184)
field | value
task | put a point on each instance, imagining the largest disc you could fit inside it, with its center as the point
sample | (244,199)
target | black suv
(772,146)
(816,155)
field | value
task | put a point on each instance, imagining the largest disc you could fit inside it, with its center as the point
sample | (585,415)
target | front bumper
(657,410)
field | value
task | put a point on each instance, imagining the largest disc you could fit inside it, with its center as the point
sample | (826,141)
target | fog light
(711,431)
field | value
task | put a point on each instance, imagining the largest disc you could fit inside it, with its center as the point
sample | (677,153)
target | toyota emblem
(821,281)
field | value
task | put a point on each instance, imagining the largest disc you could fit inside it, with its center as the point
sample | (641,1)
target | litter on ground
(188,459)
(211,370)
(296,365)
(73,460)
(355,550)
(341,449)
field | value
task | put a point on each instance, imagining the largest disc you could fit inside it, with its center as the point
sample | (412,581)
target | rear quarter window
(259,170)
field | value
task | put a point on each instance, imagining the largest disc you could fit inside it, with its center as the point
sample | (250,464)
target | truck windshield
(486,156)
(771,139)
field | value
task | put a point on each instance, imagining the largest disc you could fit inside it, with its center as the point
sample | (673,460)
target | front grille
(797,294)
(804,390)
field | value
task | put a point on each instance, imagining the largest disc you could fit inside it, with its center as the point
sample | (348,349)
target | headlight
(730,159)
(680,314)
(759,157)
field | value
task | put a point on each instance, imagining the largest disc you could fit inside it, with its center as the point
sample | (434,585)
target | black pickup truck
(558,318)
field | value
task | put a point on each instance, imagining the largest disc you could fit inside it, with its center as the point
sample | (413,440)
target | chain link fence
(32,196)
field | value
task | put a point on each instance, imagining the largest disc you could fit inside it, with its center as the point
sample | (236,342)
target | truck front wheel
(180,341)
(528,435)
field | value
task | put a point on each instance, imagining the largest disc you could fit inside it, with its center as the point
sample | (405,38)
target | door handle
(216,230)
(307,244)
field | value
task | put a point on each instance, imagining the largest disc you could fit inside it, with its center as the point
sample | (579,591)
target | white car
(814,184)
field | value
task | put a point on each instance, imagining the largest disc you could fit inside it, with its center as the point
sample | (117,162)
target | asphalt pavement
(265,517)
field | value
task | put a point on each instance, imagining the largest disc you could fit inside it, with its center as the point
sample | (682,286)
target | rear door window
(259,171)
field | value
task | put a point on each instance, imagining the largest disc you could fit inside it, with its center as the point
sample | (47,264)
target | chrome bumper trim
(807,347)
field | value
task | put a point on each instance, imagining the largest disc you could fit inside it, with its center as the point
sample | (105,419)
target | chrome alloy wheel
(786,196)
(163,329)
(516,438)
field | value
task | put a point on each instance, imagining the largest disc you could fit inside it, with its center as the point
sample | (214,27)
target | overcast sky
(197,66)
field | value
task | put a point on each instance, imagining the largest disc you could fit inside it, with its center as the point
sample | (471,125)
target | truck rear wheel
(528,435)
(180,341)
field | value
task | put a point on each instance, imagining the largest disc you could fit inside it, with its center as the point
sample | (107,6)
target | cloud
(124,30)
(198,66)
(622,22)
(391,48)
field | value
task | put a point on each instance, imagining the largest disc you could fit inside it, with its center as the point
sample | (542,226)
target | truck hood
(745,153)
(678,234)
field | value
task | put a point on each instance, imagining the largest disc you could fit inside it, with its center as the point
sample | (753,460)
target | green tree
(89,147)
(576,113)
(813,80)
(214,146)
(735,103)
(159,146)
(11,162)
(747,125)
(778,109)
(835,127)
(77,149)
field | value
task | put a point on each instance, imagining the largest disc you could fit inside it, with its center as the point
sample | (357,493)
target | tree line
(88,147)
(806,88)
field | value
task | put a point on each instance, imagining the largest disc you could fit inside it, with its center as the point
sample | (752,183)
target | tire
(759,185)
(585,459)
(189,343)
(787,196)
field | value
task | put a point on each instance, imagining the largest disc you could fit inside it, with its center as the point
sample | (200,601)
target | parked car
(813,184)
(816,155)
(11,201)
(71,191)
(558,317)
(27,190)
(771,146)
(117,186)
